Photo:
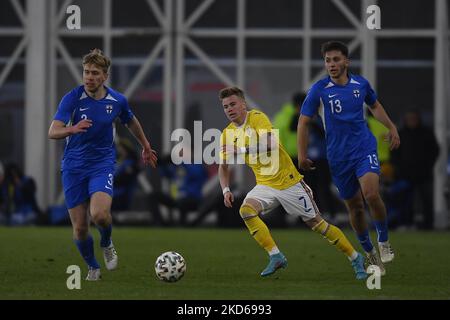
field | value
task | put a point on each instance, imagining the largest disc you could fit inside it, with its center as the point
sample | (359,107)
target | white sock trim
(274,251)
(353,256)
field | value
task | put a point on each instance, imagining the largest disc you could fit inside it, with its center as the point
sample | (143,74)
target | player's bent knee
(247,211)
(101,221)
(371,196)
(357,210)
(101,218)
(80,232)
(312,223)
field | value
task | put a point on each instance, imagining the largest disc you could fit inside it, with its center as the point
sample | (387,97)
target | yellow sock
(258,229)
(335,236)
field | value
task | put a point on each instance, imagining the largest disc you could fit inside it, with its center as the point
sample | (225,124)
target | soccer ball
(170,266)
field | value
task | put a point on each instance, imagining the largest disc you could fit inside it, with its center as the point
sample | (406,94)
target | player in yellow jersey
(250,139)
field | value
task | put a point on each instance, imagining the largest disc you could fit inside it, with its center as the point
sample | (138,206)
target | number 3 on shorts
(373,160)
(110,180)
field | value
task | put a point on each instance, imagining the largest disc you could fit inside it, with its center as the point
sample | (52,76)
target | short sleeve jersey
(274,168)
(341,108)
(95,147)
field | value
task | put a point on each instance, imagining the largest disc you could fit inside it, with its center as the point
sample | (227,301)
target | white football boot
(374,259)
(110,256)
(386,252)
(93,274)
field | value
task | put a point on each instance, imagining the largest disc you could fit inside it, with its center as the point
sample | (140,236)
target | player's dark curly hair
(334,45)
(98,58)
(231,91)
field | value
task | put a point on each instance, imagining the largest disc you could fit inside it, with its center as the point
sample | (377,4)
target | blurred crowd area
(189,195)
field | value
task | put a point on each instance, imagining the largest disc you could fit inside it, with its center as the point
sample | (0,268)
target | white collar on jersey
(110,97)
(245,121)
(332,84)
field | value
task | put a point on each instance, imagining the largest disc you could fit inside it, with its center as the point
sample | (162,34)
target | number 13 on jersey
(335,106)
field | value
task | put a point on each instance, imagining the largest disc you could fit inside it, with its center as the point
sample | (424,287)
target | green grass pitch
(221,264)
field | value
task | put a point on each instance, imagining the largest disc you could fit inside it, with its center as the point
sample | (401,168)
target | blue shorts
(80,185)
(345,174)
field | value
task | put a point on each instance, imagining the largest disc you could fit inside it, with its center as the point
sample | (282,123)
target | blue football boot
(358,266)
(276,262)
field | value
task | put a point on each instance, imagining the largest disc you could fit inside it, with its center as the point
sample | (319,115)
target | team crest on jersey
(356,93)
(109,108)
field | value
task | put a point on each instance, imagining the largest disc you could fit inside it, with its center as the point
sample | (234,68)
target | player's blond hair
(98,58)
(231,91)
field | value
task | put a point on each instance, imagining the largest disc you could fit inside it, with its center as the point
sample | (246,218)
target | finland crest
(109,108)
(356,93)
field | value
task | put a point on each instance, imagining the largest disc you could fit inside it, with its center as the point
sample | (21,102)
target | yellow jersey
(273,168)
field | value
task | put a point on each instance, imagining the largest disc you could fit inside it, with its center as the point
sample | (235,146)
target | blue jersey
(95,147)
(341,109)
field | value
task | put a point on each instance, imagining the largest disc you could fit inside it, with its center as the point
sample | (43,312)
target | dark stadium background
(269,48)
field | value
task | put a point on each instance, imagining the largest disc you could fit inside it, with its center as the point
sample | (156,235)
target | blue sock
(86,248)
(105,233)
(382,230)
(364,239)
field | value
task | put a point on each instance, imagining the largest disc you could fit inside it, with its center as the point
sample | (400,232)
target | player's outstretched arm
(380,114)
(224,178)
(59,130)
(148,154)
(302,143)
